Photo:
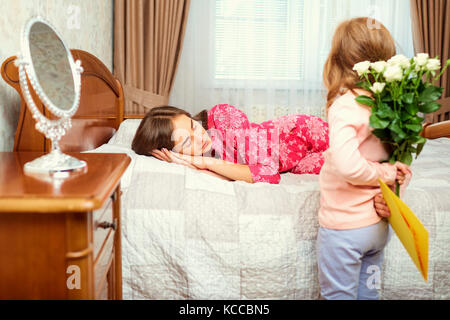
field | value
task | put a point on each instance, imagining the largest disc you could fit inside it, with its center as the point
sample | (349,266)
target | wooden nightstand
(61,242)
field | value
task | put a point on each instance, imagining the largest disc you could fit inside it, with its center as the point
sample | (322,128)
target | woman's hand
(199,162)
(228,170)
(381,207)
(171,157)
(167,156)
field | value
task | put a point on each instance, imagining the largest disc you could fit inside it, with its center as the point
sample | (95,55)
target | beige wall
(95,34)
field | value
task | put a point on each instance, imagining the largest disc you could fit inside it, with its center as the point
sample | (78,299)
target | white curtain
(266,57)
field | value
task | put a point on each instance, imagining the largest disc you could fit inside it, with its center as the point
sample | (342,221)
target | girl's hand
(167,156)
(381,207)
(403,171)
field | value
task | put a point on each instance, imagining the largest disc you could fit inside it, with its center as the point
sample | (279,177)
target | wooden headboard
(98,116)
(438,123)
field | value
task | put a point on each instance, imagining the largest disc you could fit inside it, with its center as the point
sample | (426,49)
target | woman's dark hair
(155,130)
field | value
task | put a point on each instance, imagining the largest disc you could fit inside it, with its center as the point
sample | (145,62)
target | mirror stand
(55,163)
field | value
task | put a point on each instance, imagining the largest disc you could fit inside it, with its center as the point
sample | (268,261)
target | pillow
(124,136)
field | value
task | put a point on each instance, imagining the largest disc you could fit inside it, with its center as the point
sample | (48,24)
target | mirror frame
(54,164)
(29,68)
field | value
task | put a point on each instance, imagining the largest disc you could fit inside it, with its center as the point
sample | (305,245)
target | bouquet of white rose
(403,92)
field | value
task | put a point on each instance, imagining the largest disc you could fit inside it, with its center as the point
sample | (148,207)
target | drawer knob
(108,225)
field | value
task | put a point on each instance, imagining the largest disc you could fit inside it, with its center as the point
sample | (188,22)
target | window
(259,39)
(266,57)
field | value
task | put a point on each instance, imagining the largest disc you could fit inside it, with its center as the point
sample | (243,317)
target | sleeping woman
(223,143)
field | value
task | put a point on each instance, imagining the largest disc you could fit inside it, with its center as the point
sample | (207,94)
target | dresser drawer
(103,262)
(104,223)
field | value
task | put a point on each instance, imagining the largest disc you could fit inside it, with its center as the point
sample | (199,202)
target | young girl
(224,143)
(352,236)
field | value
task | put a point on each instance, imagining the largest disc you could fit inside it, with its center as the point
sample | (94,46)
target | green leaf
(431,93)
(397,139)
(363,85)
(406,158)
(429,107)
(395,127)
(374,109)
(417,139)
(378,123)
(382,134)
(393,158)
(405,116)
(408,98)
(368,101)
(416,120)
(412,108)
(387,98)
(414,127)
(384,111)
(420,148)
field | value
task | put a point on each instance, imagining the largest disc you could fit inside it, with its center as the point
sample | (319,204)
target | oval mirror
(51,67)
(48,64)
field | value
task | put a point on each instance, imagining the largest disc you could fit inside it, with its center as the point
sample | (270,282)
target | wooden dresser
(61,241)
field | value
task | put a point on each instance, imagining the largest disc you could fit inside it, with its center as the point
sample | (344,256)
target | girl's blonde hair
(355,40)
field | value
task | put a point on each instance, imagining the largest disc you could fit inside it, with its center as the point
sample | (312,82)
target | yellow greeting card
(408,228)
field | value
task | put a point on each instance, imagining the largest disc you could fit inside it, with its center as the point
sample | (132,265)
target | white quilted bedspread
(187,235)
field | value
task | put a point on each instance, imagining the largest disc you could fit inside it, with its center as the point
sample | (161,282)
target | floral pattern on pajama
(293,143)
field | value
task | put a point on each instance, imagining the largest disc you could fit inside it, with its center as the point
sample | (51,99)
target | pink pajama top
(293,143)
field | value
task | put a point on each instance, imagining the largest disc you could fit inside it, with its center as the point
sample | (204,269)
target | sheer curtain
(266,56)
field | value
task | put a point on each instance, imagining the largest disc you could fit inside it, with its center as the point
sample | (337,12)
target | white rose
(433,65)
(378,87)
(393,73)
(379,66)
(399,60)
(405,63)
(421,59)
(362,67)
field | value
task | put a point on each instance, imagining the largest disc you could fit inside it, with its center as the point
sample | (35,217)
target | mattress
(188,235)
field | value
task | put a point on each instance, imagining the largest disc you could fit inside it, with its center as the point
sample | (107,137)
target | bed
(187,235)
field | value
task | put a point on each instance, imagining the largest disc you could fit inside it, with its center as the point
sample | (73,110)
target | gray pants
(350,261)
